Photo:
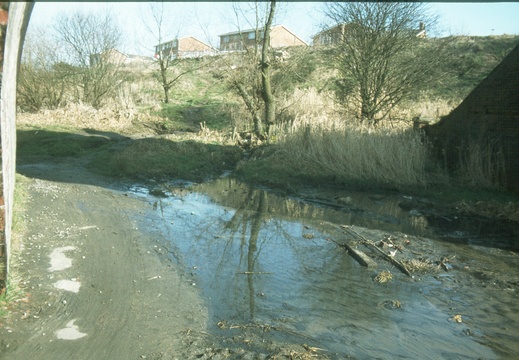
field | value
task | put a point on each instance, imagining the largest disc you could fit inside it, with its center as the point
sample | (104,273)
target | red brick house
(331,36)
(337,34)
(280,37)
(186,47)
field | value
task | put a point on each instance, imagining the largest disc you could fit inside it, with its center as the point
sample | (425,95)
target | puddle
(70,332)
(266,266)
(68,285)
(58,260)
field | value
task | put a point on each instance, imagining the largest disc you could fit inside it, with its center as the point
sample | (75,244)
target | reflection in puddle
(263,259)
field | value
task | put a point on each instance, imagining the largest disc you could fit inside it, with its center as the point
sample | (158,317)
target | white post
(18,20)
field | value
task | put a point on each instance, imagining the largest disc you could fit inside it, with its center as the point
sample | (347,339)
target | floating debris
(384,277)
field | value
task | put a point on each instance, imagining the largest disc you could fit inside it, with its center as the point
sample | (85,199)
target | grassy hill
(204,94)
(316,142)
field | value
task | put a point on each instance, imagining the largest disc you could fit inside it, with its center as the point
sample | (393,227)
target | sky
(302,18)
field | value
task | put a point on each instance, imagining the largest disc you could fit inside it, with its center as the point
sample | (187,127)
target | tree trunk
(166,95)
(266,90)
(11,50)
(249,102)
(367,112)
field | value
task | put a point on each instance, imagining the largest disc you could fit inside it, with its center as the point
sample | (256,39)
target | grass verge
(14,291)
(162,158)
(56,142)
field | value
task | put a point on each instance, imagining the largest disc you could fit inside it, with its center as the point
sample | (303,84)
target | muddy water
(270,270)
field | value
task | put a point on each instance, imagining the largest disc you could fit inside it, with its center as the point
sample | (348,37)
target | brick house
(186,47)
(280,37)
(338,33)
(110,56)
(115,57)
(331,36)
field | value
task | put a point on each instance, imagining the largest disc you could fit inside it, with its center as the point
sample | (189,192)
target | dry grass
(383,277)
(319,142)
(418,265)
(335,148)
(139,93)
(490,209)
(481,166)
(426,109)
(79,116)
(308,103)
(112,117)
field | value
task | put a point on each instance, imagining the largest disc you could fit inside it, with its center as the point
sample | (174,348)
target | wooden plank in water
(358,255)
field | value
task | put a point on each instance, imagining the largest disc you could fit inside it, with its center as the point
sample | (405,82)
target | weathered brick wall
(282,37)
(490,113)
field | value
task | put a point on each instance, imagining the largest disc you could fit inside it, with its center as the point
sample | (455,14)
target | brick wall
(489,114)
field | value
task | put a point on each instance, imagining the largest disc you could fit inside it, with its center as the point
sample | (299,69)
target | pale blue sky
(302,18)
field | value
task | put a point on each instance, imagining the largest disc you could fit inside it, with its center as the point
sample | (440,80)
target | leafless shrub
(43,82)
(91,41)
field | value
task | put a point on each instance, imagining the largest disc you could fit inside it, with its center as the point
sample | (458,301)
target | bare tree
(170,67)
(251,77)
(380,57)
(40,83)
(266,87)
(91,41)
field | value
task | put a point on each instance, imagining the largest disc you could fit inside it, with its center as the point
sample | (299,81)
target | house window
(226,39)
(251,36)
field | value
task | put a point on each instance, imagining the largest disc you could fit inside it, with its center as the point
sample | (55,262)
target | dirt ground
(95,286)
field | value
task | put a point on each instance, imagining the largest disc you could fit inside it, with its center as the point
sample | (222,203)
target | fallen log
(358,255)
(372,245)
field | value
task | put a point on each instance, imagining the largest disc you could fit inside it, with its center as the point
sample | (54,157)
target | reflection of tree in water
(364,211)
(316,290)
(253,212)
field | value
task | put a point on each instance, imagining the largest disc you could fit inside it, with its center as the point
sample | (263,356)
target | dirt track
(95,286)
(129,303)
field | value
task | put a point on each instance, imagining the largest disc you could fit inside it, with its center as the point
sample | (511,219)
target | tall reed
(320,140)
(355,153)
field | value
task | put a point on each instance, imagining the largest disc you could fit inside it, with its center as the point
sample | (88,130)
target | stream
(271,269)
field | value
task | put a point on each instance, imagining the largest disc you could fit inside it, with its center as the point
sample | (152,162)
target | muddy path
(95,288)
(113,270)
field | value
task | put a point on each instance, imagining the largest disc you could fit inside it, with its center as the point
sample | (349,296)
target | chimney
(422,26)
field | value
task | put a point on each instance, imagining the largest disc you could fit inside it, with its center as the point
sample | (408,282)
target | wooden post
(18,20)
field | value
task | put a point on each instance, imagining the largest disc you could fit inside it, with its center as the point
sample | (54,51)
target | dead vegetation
(488,209)
(402,252)
(383,277)
(419,265)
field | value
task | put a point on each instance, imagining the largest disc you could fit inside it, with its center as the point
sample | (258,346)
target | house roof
(239,32)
